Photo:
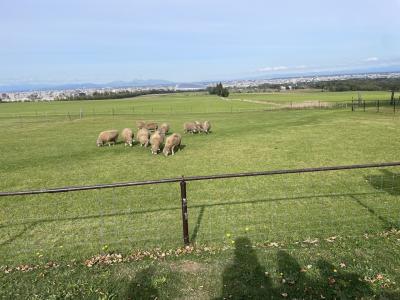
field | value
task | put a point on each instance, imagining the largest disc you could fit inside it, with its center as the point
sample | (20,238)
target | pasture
(292,221)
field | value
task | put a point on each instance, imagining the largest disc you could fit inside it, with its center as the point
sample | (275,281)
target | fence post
(378,105)
(394,106)
(80,113)
(364,105)
(185,225)
(352,105)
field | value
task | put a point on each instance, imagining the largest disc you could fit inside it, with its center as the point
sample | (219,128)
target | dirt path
(304,104)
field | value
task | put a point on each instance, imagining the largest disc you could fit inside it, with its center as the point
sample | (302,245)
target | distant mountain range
(34,86)
(28,86)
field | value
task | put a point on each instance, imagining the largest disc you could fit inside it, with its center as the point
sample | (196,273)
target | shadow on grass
(387,223)
(11,239)
(164,209)
(198,223)
(246,278)
(143,287)
(388,182)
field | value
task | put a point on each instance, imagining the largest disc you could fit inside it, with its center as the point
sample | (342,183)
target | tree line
(369,84)
(357,84)
(116,95)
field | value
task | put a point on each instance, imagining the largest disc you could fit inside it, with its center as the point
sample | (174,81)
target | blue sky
(183,40)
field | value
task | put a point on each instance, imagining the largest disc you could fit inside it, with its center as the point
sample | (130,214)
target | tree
(225,92)
(218,90)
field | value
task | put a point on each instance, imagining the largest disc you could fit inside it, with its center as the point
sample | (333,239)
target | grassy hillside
(282,212)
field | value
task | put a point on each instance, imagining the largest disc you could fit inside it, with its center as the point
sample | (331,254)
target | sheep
(190,127)
(199,126)
(206,126)
(172,143)
(140,124)
(164,128)
(156,140)
(152,126)
(127,136)
(143,137)
(108,136)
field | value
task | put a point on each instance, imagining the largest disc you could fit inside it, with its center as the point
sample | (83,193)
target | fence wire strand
(284,208)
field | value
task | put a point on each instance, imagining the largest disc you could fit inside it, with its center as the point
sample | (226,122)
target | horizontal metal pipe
(195,178)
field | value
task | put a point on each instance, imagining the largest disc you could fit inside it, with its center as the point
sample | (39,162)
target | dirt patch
(257,101)
(187,266)
(286,104)
(311,104)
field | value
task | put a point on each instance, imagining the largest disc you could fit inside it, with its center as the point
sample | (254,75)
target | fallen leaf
(331,280)
(331,239)
(379,276)
(311,241)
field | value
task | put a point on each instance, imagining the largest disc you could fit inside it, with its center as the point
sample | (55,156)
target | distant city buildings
(284,83)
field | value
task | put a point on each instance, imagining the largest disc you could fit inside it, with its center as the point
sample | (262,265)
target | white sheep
(107,137)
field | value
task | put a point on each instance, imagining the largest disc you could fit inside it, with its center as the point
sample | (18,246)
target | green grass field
(282,216)
(313,95)
(308,98)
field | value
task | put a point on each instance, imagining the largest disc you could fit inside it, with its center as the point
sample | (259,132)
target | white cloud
(269,69)
(282,68)
(301,67)
(372,59)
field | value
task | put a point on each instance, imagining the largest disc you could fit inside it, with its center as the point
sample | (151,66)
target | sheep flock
(150,133)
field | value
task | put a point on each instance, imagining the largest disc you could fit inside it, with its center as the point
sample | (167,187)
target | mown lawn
(275,214)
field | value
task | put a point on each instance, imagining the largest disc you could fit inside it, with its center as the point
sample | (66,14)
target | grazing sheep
(190,127)
(172,143)
(164,128)
(140,124)
(199,126)
(152,126)
(109,137)
(127,136)
(206,126)
(143,137)
(156,140)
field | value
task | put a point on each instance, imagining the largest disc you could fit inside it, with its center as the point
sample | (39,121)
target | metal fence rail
(182,181)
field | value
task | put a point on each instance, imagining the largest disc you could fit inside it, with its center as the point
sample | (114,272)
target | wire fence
(282,206)
(391,106)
